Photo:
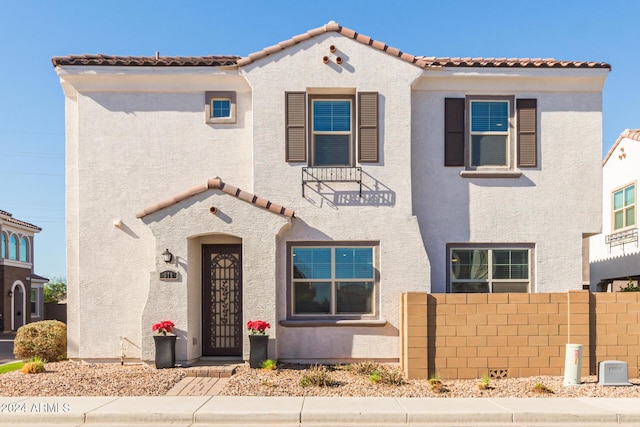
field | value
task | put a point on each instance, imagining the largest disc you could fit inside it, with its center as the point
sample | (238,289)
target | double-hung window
(332,134)
(489,270)
(489,133)
(333,281)
(624,207)
(34,302)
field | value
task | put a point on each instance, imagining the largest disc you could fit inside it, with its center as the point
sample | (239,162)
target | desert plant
(317,376)
(630,287)
(364,368)
(46,340)
(374,376)
(484,383)
(269,364)
(436,384)
(541,388)
(34,366)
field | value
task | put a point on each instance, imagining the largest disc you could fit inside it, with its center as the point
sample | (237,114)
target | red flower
(165,327)
(257,327)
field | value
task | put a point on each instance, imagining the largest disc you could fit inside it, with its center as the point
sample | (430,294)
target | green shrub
(34,366)
(270,364)
(630,287)
(46,340)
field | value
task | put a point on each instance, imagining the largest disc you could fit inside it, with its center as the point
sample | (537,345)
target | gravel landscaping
(79,379)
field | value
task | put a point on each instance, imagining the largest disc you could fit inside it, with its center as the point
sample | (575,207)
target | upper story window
(489,133)
(220,107)
(489,270)
(3,245)
(624,207)
(485,134)
(24,249)
(331,132)
(13,247)
(339,130)
(333,281)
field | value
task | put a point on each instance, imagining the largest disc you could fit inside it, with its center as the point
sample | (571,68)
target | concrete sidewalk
(317,411)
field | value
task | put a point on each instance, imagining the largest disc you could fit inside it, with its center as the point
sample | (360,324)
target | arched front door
(18,307)
(222,328)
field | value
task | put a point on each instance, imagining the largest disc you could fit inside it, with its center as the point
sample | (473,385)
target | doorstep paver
(550,410)
(460,410)
(49,410)
(158,410)
(251,410)
(370,411)
(626,408)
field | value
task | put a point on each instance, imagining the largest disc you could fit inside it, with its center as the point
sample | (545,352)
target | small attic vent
(168,275)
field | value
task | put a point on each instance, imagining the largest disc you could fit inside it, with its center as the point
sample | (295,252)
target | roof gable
(218,184)
(633,134)
(230,60)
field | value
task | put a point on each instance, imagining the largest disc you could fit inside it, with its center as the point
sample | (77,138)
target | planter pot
(258,350)
(165,351)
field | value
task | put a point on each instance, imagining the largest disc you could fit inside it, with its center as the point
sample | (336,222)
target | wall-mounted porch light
(10,293)
(167,256)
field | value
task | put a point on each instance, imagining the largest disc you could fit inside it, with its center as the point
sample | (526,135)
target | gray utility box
(613,372)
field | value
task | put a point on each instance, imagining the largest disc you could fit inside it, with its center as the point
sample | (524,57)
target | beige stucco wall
(549,206)
(620,170)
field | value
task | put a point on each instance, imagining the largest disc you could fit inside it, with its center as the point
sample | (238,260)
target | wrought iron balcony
(331,174)
(622,237)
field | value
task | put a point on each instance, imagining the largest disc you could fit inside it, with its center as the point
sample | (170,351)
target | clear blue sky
(31,32)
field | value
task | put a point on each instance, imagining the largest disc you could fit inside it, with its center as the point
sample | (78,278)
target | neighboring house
(22,290)
(615,254)
(309,184)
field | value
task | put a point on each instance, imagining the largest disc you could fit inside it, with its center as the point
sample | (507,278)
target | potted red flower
(258,342)
(165,342)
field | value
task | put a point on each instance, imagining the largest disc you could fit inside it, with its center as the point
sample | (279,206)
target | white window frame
(624,208)
(211,96)
(350,133)
(35,313)
(333,281)
(489,280)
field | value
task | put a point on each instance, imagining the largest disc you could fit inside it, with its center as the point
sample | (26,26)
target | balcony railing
(622,237)
(331,174)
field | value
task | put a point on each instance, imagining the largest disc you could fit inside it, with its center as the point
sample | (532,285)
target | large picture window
(333,281)
(489,270)
(624,207)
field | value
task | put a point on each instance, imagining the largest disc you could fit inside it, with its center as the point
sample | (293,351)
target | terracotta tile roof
(629,134)
(6,216)
(420,61)
(148,61)
(217,184)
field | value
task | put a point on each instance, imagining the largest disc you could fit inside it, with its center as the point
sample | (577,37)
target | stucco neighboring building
(614,254)
(310,183)
(22,291)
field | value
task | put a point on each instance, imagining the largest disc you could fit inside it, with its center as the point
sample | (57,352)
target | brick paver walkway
(204,380)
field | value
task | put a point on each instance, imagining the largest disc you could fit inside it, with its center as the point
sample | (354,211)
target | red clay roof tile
(217,184)
(224,60)
(629,134)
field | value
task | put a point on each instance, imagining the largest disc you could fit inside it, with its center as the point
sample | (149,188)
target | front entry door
(222,329)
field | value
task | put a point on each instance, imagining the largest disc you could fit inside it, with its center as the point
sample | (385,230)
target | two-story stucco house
(614,254)
(310,183)
(22,290)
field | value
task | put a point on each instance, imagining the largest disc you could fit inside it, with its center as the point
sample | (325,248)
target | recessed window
(494,270)
(3,245)
(13,248)
(24,249)
(624,207)
(332,137)
(34,302)
(333,281)
(220,107)
(489,133)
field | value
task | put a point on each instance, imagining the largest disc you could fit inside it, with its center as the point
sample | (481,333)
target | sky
(32,116)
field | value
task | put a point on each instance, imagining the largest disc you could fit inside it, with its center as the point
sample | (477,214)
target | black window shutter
(368,127)
(527,111)
(454,131)
(295,112)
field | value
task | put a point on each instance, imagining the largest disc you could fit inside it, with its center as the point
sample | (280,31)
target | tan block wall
(471,335)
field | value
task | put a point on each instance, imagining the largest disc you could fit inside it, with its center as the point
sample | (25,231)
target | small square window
(220,107)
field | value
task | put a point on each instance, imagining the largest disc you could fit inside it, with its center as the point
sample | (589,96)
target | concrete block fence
(516,335)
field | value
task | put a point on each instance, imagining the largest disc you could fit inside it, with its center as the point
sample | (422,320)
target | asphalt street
(6,348)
